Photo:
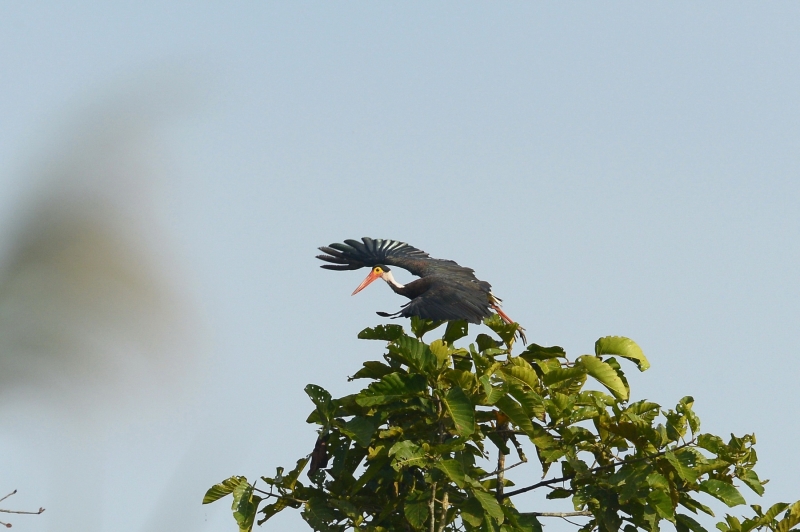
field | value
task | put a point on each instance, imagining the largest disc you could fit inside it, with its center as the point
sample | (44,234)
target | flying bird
(444,290)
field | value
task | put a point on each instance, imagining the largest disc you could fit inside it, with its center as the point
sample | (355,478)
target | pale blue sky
(626,168)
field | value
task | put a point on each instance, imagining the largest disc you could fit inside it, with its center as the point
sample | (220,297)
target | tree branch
(432,508)
(493,473)
(582,513)
(595,469)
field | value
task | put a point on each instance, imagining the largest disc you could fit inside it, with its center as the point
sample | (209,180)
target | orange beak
(371,277)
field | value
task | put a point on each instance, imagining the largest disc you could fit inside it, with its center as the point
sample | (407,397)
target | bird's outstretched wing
(450,299)
(352,255)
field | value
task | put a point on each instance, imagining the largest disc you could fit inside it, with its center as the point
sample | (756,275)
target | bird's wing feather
(352,255)
(449,299)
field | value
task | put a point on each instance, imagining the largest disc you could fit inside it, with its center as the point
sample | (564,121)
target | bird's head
(378,271)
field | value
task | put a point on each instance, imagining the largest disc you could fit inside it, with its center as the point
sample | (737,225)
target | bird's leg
(507,319)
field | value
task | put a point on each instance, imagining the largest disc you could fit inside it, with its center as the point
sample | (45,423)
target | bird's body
(444,291)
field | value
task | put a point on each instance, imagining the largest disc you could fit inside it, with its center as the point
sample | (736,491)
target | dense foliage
(410,450)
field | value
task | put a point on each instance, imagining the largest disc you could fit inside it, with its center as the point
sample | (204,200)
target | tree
(409,452)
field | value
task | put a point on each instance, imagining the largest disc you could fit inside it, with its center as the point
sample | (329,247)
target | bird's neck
(397,287)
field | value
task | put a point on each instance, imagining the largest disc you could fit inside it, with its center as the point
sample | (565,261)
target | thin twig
(7,496)
(493,473)
(595,469)
(22,512)
(582,513)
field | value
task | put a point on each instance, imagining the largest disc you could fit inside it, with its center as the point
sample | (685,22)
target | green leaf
(317,514)
(392,387)
(749,477)
(660,501)
(563,374)
(389,333)
(693,505)
(621,346)
(605,375)
(790,518)
(521,375)
(537,352)
(406,454)
(516,414)
(685,524)
(372,370)
(775,509)
(454,471)
(723,491)
(710,443)
(531,402)
(415,508)
(461,410)
(504,330)
(472,512)
(559,493)
(290,480)
(420,326)
(456,330)
(244,506)
(361,429)
(414,353)
(441,352)
(683,465)
(485,342)
(271,509)
(217,491)
(322,399)
(489,504)
(493,393)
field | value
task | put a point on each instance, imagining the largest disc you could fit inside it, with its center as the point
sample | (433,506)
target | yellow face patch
(377,270)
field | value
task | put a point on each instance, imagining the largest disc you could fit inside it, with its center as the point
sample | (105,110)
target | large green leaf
(389,333)
(537,352)
(245,506)
(493,393)
(723,491)
(406,453)
(516,414)
(372,370)
(317,513)
(621,346)
(322,399)
(557,376)
(749,477)
(522,375)
(454,470)
(361,429)
(660,501)
(419,326)
(790,518)
(684,523)
(605,375)
(683,463)
(217,491)
(414,353)
(461,410)
(472,512)
(489,504)
(415,508)
(392,387)
(531,402)
(456,329)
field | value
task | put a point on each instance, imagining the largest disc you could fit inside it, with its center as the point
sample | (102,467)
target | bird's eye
(378,269)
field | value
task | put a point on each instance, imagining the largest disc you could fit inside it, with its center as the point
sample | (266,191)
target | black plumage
(444,291)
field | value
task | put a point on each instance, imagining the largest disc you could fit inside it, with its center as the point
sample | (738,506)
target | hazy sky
(612,169)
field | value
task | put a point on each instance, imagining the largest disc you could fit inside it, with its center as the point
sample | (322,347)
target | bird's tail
(494,304)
